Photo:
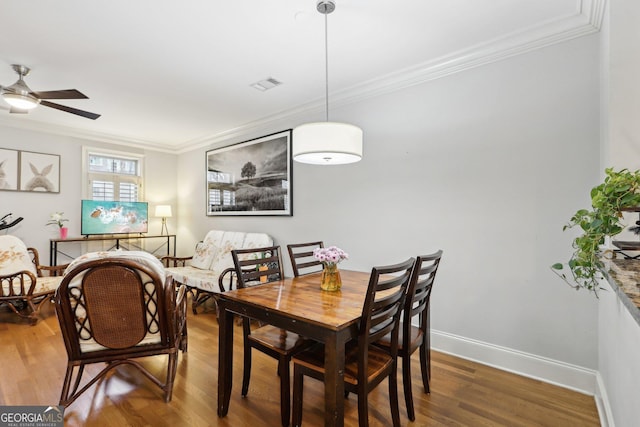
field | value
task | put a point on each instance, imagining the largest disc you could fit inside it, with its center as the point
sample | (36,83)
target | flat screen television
(100,217)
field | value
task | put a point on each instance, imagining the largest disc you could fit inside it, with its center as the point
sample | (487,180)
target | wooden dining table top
(301,297)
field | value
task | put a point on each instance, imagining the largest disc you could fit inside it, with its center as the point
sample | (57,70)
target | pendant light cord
(326,67)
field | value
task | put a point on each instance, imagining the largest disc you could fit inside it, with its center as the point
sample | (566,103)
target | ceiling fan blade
(60,94)
(75,111)
(14,110)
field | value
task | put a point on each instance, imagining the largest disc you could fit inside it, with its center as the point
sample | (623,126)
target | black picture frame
(251,178)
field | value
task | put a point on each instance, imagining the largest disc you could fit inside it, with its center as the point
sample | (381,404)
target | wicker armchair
(25,285)
(116,307)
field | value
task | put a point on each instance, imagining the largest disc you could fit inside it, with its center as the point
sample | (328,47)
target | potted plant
(619,191)
(57,218)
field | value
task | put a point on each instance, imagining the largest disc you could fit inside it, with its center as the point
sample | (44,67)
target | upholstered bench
(210,268)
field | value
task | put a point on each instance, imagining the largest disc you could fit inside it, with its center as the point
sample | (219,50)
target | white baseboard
(529,365)
(602,402)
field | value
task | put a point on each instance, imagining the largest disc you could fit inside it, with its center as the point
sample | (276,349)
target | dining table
(297,304)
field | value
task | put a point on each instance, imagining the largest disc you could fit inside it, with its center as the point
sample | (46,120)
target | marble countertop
(624,277)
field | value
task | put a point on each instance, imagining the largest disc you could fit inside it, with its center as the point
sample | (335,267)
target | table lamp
(164,212)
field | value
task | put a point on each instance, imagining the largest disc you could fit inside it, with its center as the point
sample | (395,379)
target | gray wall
(35,208)
(488,165)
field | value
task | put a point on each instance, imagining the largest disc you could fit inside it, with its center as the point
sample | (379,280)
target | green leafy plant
(619,191)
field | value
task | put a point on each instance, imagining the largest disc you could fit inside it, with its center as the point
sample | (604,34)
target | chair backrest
(419,291)
(383,305)
(113,303)
(257,265)
(302,260)
(214,252)
(18,272)
(15,256)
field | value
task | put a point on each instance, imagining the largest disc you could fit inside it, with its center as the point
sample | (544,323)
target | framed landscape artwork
(39,172)
(251,178)
(8,169)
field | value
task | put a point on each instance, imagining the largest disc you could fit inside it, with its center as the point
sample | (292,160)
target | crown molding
(67,131)
(586,20)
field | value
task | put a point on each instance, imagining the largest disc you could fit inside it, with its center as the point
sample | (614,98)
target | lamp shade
(21,101)
(327,143)
(163,211)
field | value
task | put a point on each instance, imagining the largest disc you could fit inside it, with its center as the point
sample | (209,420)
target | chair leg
(393,397)
(285,393)
(246,375)
(298,387)
(35,309)
(425,366)
(406,381)
(184,339)
(171,376)
(194,304)
(69,393)
(64,395)
(194,300)
(363,408)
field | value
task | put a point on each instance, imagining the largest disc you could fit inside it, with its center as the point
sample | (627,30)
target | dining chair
(302,260)
(114,308)
(366,365)
(255,267)
(416,336)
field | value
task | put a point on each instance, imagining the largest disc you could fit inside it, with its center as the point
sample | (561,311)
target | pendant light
(327,143)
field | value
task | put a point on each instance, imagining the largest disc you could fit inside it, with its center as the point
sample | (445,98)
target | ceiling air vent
(266,84)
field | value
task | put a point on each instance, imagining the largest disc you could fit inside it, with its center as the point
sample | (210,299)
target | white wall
(35,208)
(488,165)
(618,332)
(624,86)
(618,367)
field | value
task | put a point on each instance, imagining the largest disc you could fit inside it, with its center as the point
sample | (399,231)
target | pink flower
(331,255)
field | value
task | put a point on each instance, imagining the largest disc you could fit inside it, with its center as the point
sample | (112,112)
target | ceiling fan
(22,99)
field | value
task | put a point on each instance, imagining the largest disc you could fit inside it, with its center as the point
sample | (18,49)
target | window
(229,198)
(214,197)
(112,176)
(215,176)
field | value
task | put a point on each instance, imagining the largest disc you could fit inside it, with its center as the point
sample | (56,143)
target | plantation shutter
(112,178)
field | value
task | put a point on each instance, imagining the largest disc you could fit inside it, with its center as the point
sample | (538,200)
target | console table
(119,242)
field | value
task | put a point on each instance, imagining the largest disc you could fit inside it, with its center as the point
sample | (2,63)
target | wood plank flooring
(464,393)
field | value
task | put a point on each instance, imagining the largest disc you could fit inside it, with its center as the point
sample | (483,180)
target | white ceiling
(175,75)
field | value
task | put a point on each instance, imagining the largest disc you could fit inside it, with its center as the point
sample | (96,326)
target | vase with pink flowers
(330,257)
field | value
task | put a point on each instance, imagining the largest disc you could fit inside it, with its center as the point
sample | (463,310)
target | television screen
(100,217)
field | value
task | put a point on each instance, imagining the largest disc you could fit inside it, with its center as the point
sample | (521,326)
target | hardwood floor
(463,393)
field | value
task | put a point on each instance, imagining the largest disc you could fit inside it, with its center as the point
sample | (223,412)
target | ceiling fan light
(327,143)
(20,101)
